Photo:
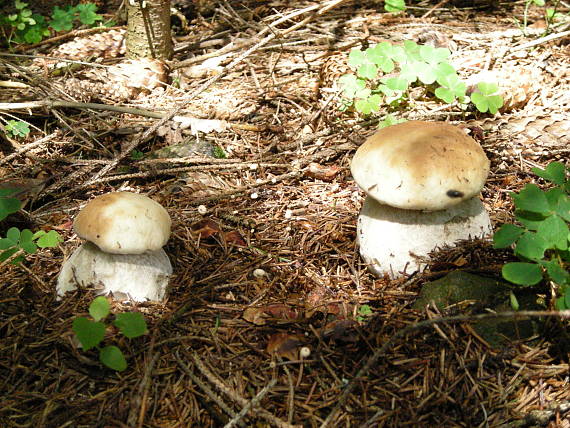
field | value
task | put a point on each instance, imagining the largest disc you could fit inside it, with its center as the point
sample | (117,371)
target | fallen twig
(426,323)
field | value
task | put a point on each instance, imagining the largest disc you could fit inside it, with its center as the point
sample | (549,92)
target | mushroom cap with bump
(124,223)
(420,166)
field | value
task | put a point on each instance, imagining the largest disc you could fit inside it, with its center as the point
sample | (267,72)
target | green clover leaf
(62,19)
(112,357)
(89,333)
(88,13)
(99,308)
(522,273)
(131,324)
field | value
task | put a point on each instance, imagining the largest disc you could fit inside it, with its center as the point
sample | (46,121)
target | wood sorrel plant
(21,241)
(542,240)
(91,333)
(384,72)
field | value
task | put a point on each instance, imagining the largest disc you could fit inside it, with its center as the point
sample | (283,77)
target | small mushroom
(123,256)
(422,180)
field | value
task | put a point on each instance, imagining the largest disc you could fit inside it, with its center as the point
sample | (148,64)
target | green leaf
(112,357)
(131,324)
(506,235)
(390,120)
(408,71)
(5,255)
(412,50)
(529,220)
(88,13)
(8,205)
(62,19)
(34,35)
(554,172)
(89,333)
(17,128)
(452,87)
(368,105)
(487,89)
(563,208)
(553,197)
(433,55)
(99,308)
(397,84)
(381,56)
(350,85)
(522,273)
(445,94)
(394,6)
(556,272)
(532,199)
(365,310)
(13,235)
(29,247)
(425,72)
(560,303)
(531,246)
(554,231)
(49,240)
(6,243)
(484,103)
(5,192)
(514,302)
(367,71)
(26,242)
(356,58)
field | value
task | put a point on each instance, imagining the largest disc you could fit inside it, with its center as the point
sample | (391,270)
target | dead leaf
(205,228)
(285,345)
(320,172)
(282,312)
(234,237)
(255,316)
(276,312)
(341,330)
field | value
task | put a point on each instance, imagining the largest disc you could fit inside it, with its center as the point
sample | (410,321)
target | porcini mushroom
(123,255)
(422,180)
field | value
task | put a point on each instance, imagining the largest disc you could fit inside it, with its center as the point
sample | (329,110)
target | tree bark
(148,29)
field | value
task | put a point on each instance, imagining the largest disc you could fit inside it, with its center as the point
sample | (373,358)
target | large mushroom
(123,255)
(422,180)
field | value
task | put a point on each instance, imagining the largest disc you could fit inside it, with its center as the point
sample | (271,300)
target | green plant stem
(12,257)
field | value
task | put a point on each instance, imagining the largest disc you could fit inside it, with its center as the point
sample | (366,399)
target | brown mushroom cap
(420,165)
(124,223)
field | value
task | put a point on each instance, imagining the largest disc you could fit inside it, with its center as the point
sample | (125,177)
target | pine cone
(120,82)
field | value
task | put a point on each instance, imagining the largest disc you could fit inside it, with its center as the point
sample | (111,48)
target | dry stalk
(235,397)
(215,397)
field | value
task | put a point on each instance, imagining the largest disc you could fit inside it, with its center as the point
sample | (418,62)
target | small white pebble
(259,273)
(259,181)
(202,209)
(253,166)
(254,195)
(288,214)
(304,352)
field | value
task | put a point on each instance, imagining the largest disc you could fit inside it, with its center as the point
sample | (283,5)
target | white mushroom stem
(391,238)
(137,277)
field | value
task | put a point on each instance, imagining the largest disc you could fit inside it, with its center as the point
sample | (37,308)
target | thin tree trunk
(148,29)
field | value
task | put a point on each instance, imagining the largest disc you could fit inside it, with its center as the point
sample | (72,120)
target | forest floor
(269,265)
